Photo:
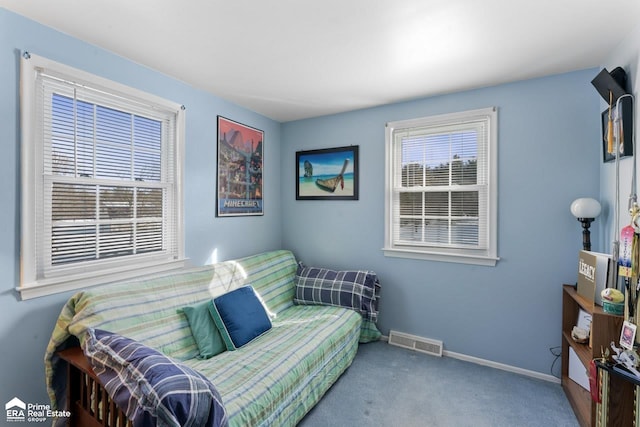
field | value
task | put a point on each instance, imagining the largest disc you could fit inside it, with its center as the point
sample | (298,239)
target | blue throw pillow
(150,387)
(240,317)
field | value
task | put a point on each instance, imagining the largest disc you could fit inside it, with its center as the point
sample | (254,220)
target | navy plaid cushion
(152,389)
(355,289)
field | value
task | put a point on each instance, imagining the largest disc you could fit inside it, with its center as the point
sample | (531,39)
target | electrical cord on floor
(557,352)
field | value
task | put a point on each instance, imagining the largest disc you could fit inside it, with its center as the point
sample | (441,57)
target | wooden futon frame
(87,400)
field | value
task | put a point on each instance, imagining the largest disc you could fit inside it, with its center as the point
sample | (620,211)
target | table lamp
(585,210)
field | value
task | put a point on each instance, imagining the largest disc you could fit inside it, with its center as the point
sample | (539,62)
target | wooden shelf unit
(605,327)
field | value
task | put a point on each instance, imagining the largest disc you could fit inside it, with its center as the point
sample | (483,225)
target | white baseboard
(492,364)
(502,366)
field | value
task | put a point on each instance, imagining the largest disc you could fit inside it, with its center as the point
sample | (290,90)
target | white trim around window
(441,188)
(101,195)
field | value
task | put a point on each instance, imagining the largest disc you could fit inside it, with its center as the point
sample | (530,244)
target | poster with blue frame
(240,166)
(327,174)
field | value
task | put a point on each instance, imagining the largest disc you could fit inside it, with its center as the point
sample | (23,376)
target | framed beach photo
(240,162)
(327,174)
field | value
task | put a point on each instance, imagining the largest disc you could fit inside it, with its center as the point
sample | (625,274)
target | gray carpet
(391,386)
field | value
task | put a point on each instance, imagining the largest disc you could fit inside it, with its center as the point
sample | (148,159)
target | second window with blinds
(441,188)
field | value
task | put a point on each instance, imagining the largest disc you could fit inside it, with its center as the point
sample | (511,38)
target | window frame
(35,279)
(487,256)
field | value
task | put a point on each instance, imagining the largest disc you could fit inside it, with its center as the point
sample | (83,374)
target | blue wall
(27,325)
(548,155)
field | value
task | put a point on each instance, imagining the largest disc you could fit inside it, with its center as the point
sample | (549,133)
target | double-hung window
(441,184)
(101,180)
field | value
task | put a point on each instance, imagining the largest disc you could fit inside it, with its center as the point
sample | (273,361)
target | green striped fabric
(273,380)
(278,377)
(369,332)
(272,276)
(160,323)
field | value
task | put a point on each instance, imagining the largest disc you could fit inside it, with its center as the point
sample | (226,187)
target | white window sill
(53,286)
(474,259)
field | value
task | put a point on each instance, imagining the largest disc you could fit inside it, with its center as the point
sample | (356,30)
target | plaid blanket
(152,389)
(355,289)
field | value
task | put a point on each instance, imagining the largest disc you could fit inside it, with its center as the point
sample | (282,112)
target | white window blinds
(440,184)
(106,180)
(438,187)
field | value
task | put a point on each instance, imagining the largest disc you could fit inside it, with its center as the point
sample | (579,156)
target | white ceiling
(294,59)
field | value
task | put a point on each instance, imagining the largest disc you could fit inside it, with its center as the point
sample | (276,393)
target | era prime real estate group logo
(15,409)
(18,412)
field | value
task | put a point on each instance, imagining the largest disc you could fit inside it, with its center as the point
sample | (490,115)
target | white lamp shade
(585,208)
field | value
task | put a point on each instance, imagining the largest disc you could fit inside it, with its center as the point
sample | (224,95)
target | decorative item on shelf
(625,355)
(628,335)
(594,274)
(586,210)
(612,301)
(580,335)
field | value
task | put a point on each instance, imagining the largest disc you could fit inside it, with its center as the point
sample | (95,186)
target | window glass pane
(464,172)
(74,243)
(439,159)
(464,149)
(113,126)
(62,135)
(411,230)
(73,202)
(437,175)
(464,203)
(149,203)
(116,202)
(147,166)
(437,231)
(436,203)
(113,143)
(113,161)
(149,237)
(412,175)
(115,240)
(465,232)
(85,138)
(147,133)
(410,204)
(147,142)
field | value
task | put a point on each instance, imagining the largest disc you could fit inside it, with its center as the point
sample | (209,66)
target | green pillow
(204,330)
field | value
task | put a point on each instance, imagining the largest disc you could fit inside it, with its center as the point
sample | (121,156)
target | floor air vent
(412,342)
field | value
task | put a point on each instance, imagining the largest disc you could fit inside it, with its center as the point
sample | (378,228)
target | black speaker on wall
(611,85)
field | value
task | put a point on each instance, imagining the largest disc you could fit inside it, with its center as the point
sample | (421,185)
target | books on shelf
(594,274)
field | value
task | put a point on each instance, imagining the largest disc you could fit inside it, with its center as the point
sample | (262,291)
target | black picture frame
(327,174)
(626,105)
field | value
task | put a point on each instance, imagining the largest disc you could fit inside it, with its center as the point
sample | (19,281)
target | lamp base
(586,234)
